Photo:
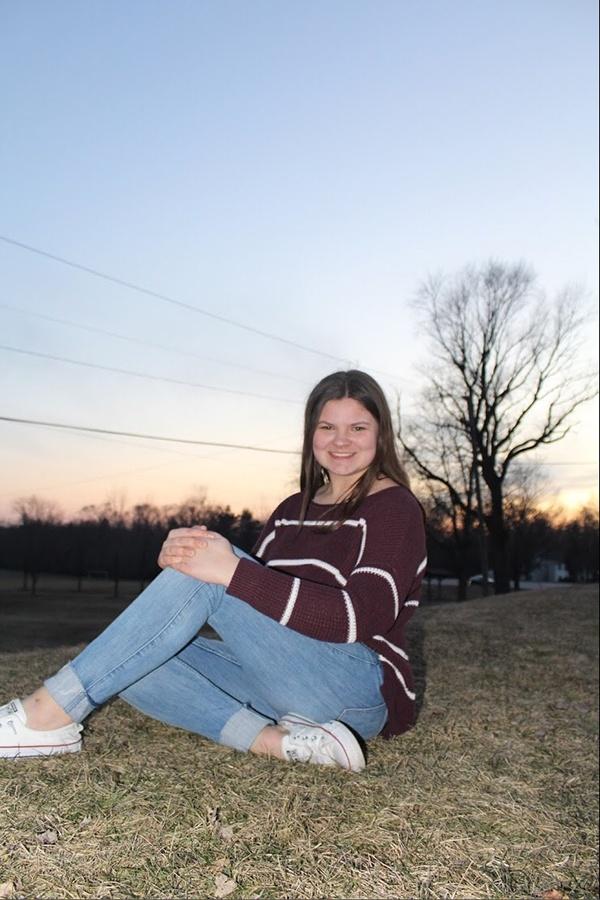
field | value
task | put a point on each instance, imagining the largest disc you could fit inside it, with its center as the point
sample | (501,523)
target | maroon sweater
(358,582)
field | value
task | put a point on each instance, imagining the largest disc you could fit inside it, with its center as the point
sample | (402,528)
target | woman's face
(345,439)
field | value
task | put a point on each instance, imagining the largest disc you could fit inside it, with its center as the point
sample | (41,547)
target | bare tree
(443,463)
(36,516)
(36,509)
(504,380)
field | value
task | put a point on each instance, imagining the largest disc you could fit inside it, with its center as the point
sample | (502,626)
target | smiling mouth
(341,455)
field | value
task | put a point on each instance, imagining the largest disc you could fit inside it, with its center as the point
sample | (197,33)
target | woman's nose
(340,439)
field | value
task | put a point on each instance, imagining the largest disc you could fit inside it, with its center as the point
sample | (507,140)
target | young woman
(311,651)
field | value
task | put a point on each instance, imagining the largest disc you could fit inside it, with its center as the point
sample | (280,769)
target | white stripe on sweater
(398,650)
(265,543)
(291,602)
(371,570)
(400,677)
(310,562)
(411,603)
(351,639)
(422,566)
(315,522)
(363,524)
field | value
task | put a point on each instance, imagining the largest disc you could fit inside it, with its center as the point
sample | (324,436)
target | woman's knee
(175,585)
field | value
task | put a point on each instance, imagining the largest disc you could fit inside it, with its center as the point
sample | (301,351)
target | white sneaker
(327,744)
(8,708)
(17,740)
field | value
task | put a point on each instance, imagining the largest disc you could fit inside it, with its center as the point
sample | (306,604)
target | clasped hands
(203,554)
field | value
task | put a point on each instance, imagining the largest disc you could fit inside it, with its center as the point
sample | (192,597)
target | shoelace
(312,746)
(8,709)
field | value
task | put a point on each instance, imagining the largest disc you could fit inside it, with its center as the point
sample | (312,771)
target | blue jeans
(228,689)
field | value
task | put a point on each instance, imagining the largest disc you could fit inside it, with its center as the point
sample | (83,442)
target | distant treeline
(537,541)
(109,542)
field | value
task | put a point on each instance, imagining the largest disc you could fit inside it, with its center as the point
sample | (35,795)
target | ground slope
(493,794)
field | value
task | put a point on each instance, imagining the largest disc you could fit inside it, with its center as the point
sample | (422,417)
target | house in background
(548,570)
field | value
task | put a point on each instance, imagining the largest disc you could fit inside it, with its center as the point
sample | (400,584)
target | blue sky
(296,167)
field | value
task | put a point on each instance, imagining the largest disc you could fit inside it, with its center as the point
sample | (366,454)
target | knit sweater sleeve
(364,602)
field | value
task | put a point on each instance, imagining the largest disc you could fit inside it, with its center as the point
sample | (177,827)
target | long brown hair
(361,387)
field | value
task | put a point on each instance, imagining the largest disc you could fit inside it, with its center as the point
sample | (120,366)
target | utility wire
(149,437)
(90,365)
(192,457)
(167,299)
(183,454)
(123,337)
(70,484)
(578,462)
(154,437)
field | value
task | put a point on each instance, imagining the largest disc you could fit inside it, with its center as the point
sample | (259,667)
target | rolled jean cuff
(67,690)
(242,729)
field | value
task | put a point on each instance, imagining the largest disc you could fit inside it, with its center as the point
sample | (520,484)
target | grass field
(493,794)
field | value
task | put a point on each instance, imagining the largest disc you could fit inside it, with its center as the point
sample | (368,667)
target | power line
(193,456)
(149,437)
(123,337)
(562,463)
(70,484)
(167,299)
(189,306)
(90,365)
(154,437)
(112,441)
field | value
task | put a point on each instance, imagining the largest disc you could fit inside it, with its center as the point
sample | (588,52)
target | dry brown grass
(493,794)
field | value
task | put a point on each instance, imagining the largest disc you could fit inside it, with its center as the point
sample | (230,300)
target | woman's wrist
(229,571)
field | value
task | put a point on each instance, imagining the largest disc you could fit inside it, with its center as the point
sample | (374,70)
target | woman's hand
(202,554)
(181,544)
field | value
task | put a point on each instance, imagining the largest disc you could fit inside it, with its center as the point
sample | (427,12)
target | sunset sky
(288,172)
